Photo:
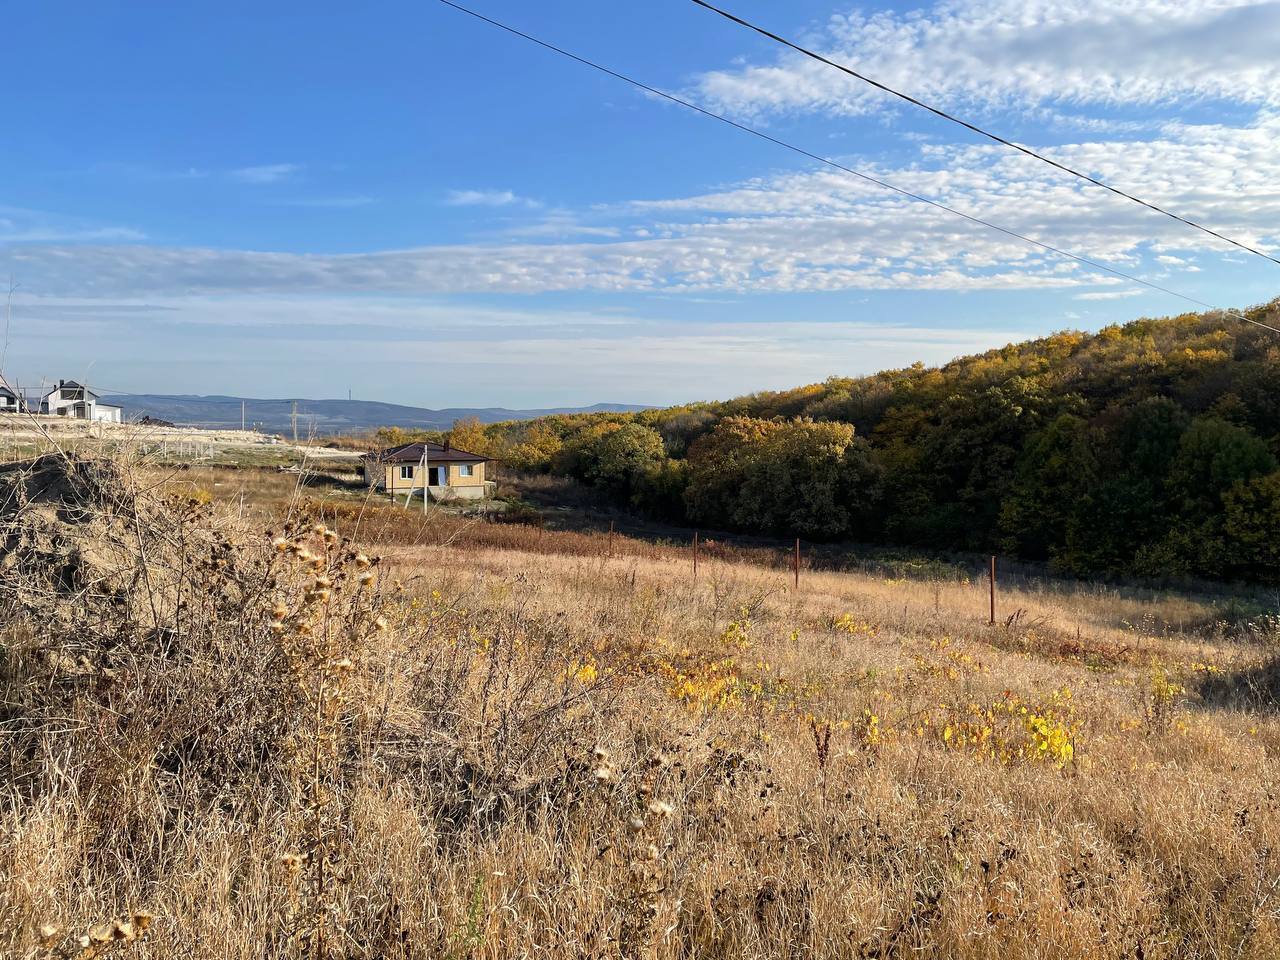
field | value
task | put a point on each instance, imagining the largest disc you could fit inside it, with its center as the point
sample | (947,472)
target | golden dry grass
(554,753)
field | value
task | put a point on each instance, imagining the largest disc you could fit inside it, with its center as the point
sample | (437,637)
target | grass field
(499,741)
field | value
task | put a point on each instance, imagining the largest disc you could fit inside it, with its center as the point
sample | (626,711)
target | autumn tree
(470,434)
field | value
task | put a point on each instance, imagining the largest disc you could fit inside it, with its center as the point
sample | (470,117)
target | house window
(465,470)
(406,471)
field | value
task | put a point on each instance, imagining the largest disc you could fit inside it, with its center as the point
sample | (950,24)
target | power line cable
(1093,264)
(978,130)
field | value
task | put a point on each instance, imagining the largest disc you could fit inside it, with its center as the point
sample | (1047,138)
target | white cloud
(1110,294)
(266,173)
(992,53)
(19,225)
(425,318)
(561,224)
(815,230)
(486,198)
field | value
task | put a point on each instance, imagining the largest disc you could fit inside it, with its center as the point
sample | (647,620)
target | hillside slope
(323,416)
(445,740)
(1150,448)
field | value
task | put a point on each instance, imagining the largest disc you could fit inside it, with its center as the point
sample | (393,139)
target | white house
(10,402)
(71,399)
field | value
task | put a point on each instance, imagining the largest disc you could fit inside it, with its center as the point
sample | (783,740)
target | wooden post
(610,538)
(695,554)
(992,578)
(796,563)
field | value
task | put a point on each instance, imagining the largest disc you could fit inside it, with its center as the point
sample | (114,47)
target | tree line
(1147,449)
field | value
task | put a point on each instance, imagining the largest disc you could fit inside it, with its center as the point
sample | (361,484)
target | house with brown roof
(448,473)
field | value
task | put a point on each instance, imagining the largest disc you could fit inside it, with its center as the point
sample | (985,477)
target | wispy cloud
(19,225)
(814,230)
(143,171)
(560,224)
(486,198)
(1110,294)
(495,354)
(266,173)
(337,203)
(997,53)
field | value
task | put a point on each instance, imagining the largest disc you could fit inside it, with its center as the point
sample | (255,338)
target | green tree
(798,478)
(719,463)
(1055,470)
(1251,523)
(1214,456)
(1124,507)
(612,456)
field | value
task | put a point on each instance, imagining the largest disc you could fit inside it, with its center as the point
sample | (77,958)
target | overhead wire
(979,130)
(1086,261)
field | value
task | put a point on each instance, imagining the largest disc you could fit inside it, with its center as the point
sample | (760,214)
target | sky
(397,200)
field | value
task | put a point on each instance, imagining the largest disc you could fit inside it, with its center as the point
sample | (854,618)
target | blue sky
(402,201)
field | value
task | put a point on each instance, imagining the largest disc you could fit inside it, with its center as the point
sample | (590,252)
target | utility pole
(242,416)
(8,320)
(293,417)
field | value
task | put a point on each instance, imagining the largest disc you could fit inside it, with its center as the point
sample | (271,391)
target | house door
(433,477)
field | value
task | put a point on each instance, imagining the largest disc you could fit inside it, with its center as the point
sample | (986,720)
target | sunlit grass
(508,743)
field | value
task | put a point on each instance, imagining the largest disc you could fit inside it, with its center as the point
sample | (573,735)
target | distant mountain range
(316,417)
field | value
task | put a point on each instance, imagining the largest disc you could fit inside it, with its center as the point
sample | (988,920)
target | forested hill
(1151,448)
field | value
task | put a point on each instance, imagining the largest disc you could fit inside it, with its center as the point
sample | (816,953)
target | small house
(71,399)
(447,472)
(11,402)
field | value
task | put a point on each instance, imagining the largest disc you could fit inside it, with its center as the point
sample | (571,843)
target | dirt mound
(90,553)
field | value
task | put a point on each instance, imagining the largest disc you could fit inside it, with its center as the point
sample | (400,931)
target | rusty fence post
(695,554)
(610,538)
(796,563)
(992,578)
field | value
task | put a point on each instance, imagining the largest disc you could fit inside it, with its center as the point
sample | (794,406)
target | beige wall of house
(456,479)
(391,479)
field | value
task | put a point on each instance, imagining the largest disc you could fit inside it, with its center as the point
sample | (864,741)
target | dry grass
(551,752)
